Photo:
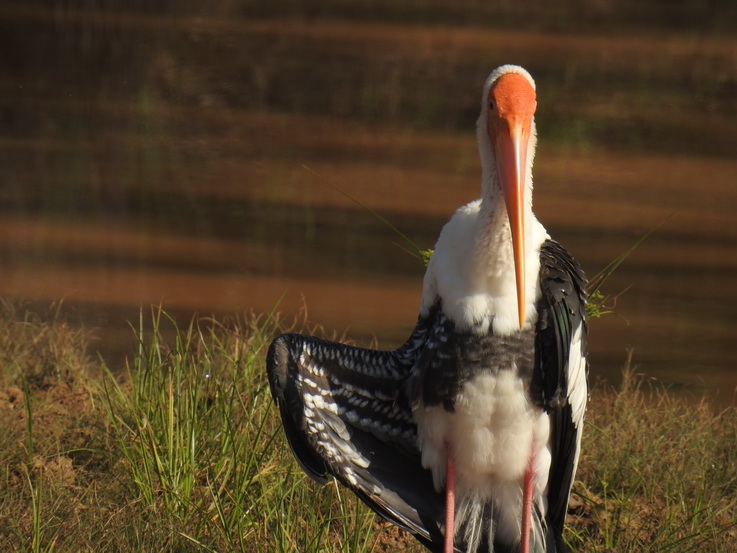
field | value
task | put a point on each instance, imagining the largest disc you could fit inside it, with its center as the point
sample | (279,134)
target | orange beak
(511,135)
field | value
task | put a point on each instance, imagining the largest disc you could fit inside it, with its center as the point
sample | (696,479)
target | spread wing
(560,370)
(345,412)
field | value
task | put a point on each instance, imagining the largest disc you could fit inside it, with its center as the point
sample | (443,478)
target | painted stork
(468,435)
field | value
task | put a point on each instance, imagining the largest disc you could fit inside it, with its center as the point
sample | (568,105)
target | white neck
(472,268)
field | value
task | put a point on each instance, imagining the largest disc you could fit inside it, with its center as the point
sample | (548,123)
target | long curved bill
(512,137)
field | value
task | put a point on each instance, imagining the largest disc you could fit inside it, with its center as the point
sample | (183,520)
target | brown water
(157,156)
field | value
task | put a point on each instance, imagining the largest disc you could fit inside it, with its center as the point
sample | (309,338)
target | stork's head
(506,132)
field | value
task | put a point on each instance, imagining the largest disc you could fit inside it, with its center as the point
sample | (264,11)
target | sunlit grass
(658,473)
(184,451)
(181,452)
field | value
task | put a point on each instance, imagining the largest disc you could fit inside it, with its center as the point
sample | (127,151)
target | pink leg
(450,499)
(528,485)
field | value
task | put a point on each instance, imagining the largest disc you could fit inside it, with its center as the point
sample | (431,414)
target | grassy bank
(183,452)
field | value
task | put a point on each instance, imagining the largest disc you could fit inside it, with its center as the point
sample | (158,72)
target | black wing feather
(561,309)
(345,413)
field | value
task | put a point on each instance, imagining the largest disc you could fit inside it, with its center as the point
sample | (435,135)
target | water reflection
(155,155)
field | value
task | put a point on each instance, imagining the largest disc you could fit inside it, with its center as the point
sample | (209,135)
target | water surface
(184,156)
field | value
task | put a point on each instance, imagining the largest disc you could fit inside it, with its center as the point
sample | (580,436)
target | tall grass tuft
(195,428)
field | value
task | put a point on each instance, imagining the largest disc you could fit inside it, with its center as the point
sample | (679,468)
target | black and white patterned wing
(345,412)
(560,373)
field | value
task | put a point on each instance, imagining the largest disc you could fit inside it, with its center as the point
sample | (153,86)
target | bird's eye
(491,105)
